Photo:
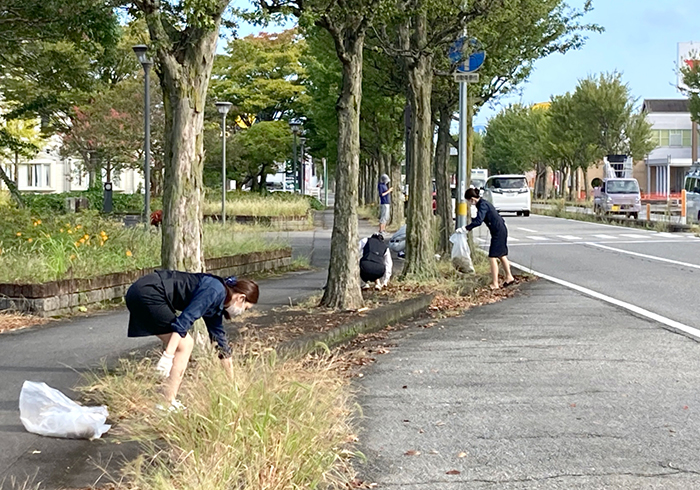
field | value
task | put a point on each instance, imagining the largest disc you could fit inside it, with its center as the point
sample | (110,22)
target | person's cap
(385,179)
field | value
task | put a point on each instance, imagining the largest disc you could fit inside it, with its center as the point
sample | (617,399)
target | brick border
(63,296)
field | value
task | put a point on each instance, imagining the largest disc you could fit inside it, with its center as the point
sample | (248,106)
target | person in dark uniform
(154,299)
(375,261)
(498,250)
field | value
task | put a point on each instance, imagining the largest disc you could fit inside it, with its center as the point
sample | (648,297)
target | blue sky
(640,41)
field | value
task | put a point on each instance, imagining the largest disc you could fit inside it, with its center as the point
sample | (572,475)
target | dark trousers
(371,271)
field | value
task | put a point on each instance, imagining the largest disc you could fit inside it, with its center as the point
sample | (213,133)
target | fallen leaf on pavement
(462,455)
(453,472)
(411,452)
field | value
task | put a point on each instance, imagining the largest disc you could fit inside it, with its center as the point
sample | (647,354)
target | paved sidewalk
(59,353)
(547,390)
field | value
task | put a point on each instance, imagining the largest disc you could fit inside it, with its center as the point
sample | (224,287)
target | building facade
(48,172)
(667,164)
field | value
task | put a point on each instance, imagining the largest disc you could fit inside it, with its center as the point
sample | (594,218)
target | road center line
(645,256)
(671,324)
(527,230)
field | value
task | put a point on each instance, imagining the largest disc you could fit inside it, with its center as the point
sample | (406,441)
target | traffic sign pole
(462,167)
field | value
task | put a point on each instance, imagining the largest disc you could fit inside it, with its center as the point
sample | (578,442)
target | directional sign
(477,56)
(466,77)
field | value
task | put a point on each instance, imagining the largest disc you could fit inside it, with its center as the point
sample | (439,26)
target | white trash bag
(48,412)
(461,258)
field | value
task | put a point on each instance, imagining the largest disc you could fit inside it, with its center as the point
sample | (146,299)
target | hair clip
(231,281)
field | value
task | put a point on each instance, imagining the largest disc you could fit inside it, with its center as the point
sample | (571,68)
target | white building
(668,163)
(48,172)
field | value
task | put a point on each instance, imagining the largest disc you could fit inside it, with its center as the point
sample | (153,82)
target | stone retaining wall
(64,296)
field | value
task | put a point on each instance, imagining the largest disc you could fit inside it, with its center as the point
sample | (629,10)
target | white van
(509,194)
(692,194)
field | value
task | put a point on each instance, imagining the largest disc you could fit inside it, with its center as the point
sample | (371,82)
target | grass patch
(86,245)
(276,425)
(280,204)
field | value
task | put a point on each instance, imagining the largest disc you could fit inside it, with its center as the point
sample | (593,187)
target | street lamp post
(223,108)
(302,168)
(296,129)
(141,53)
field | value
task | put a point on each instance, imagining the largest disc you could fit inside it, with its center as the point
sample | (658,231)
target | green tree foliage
(262,76)
(605,107)
(259,149)
(691,79)
(512,141)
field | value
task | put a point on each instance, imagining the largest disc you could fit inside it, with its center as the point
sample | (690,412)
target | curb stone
(374,321)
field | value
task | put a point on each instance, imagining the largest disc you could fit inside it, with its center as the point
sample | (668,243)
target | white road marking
(570,237)
(618,242)
(605,237)
(538,238)
(633,235)
(645,256)
(528,230)
(511,239)
(672,324)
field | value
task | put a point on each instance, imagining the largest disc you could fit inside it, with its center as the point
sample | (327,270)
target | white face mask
(235,310)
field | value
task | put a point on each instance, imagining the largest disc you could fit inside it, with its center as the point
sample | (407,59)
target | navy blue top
(207,303)
(382,189)
(486,213)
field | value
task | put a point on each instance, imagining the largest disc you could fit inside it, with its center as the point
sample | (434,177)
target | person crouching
(153,301)
(375,262)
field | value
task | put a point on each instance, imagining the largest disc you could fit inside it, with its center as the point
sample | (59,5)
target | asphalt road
(555,388)
(659,272)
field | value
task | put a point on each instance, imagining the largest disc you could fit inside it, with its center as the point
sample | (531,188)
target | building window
(47,175)
(675,137)
(656,137)
(687,138)
(38,175)
(663,137)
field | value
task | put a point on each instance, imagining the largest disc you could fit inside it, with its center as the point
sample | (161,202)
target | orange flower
(70,232)
(72,256)
(77,227)
(77,244)
(61,230)
(19,233)
(30,240)
(86,236)
(128,253)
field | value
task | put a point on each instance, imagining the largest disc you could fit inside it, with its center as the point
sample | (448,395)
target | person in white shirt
(375,261)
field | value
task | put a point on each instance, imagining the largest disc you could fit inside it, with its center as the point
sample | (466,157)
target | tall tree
(511,141)
(258,149)
(183,37)
(605,106)
(347,23)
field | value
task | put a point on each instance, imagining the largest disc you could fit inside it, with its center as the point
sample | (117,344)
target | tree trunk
(17,168)
(397,198)
(343,286)
(420,255)
(184,81)
(585,182)
(374,181)
(94,170)
(12,187)
(442,181)
(362,189)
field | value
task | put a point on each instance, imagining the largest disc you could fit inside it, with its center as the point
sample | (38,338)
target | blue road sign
(476,57)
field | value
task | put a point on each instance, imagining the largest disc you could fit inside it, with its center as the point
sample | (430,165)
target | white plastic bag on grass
(48,412)
(461,258)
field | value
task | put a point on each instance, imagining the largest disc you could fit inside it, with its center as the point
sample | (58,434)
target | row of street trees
(371,79)
(571,133)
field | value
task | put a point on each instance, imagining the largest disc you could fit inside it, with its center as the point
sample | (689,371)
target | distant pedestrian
(153,301)
(498,249)
(384,202)
(375,261)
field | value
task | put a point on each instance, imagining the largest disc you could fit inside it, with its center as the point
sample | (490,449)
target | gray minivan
(618,196)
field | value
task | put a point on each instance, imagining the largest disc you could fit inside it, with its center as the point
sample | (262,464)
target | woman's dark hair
(471,194)
(246,287)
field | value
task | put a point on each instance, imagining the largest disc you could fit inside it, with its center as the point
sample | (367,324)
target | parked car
(509,194)
(618,196)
